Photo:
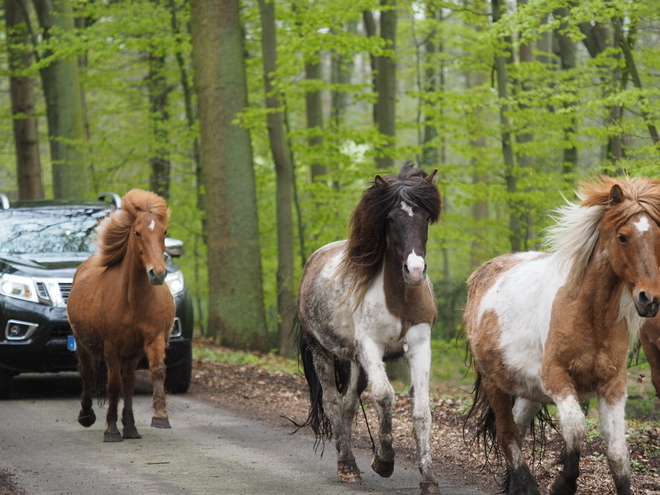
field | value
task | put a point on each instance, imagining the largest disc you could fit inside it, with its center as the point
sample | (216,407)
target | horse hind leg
(336,409)
(157,370)
(519,479)
(128,389)
(86,417)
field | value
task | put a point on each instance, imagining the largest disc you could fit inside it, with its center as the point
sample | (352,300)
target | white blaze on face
(643,224)
(152,225)
(407,208)
(416,265)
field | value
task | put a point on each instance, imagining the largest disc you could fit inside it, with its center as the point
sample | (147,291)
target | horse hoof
(383,468)
(112,436)
(429,488)
(160,423)
(130,432)
(87,420)
(348,472)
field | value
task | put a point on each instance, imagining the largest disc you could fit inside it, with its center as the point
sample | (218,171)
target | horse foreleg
(613,428)
(128,389)
(519,480)
(334,409)
(86,417)
(372,361)
(156,356)
(114,391)
(572,426)
(419,359)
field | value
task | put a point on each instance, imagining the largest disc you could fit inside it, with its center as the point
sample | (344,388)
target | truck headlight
(174,281)
(18,287)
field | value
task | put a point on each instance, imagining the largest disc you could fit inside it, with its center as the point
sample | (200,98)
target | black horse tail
(485,432)
(316,418)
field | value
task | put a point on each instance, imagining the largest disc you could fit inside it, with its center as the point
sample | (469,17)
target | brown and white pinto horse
(555,328)
(120,310)
(367,299)
(649,337)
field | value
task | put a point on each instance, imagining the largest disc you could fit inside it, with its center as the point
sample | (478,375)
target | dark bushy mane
(114,231)
(367,238)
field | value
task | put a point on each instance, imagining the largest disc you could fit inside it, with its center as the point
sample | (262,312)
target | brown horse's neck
(412,304)
(598,294)
(134,277)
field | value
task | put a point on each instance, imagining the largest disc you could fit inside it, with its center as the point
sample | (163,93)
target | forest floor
(278,398)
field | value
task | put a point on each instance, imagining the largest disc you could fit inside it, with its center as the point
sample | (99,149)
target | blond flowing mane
(115,230)
(579,225)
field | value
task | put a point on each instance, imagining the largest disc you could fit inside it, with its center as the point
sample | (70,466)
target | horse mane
(367,240)
(578,225)
(115,230)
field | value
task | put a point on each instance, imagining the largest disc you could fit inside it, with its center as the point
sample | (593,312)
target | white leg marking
(571,422)
(524,411)
(416,266)
(613,428)
(418,341)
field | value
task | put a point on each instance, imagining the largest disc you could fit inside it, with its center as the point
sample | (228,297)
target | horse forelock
(367,241)
(579,225)
(115,230)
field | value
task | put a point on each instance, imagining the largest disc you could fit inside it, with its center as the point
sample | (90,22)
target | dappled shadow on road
(61,385)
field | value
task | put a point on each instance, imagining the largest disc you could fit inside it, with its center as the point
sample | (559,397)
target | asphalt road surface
(208,450)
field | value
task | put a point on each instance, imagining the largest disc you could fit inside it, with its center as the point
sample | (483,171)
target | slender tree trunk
(235,304)
(158,96)
(314,114)
(26,137)
(384,74)
(63,107)
(432,75)
(284,177)
(188,104)
(505,133)
(620,39)
(567,52)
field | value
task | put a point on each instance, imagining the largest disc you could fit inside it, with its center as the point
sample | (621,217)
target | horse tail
(316,418)
(484,418)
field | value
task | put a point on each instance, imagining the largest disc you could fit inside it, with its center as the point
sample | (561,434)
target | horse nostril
(152,273)
(406,269)
(644,299)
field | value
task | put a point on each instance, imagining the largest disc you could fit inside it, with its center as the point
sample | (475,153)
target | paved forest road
(207,450)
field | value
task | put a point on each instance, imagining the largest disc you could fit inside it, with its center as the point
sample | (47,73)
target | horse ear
(616,195)
(381,181)
(432,177)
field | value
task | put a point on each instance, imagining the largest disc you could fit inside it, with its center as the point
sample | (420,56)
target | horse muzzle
(414,270)
(646,305)
(156,278)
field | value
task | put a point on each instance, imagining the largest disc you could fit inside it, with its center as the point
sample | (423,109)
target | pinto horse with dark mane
(365,300)
(555,328)
(120,310)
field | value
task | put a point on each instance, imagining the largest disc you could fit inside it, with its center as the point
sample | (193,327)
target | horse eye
(622,238)
(137,234)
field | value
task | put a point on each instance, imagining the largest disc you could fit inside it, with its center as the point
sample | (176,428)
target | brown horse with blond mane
(120,310)
(555,328)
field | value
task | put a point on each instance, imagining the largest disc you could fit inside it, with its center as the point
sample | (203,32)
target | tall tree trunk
(505,134)
(26,137)
(384,74)
(597,40)
(158,96)
(63,106)
(314,114)
(284,178)
(567,52)
(432,76)
(623,43)
(235,304)
(188,104)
